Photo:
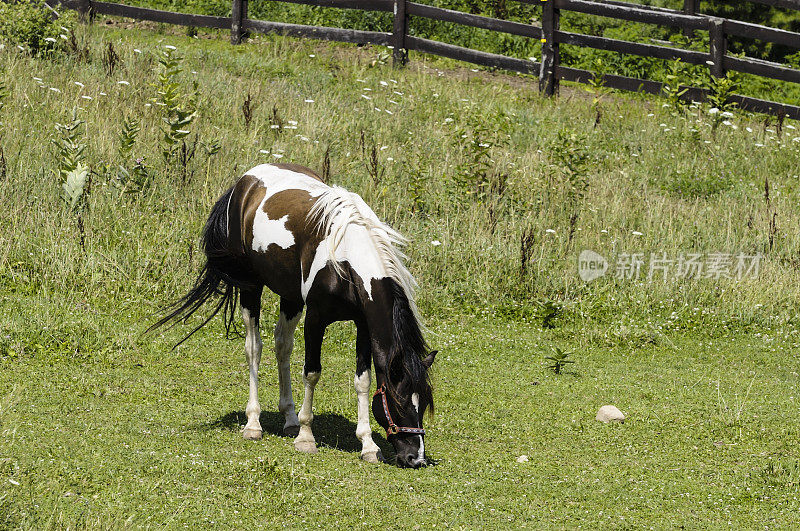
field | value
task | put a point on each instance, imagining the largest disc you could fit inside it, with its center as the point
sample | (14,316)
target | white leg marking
(305,439)
(369,450)
(252,347)
(421,453)
(284,341)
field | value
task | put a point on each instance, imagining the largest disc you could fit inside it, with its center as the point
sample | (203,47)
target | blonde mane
(337,209)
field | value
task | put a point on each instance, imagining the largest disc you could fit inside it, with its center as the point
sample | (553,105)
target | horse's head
(399,411)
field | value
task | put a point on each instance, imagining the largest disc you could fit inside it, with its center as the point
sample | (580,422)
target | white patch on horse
(354,249)
(267,231)
(354,234)
(421,453)
(362,384)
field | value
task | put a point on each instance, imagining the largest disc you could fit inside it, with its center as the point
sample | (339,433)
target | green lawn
(103,427)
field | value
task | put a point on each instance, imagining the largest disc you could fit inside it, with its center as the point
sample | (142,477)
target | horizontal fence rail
(549,70)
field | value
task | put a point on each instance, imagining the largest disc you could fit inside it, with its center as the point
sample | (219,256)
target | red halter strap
(393,428)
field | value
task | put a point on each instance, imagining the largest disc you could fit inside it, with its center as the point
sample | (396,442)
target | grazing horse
(321,247)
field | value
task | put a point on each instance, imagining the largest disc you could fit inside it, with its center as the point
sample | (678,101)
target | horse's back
(269,224)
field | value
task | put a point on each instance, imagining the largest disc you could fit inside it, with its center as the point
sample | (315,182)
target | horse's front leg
(251,308)
(314,331)
(363,383)
(284,341)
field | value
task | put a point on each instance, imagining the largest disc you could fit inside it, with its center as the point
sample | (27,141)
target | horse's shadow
(330,430)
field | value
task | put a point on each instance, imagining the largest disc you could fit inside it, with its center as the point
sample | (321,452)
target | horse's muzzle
(411,461)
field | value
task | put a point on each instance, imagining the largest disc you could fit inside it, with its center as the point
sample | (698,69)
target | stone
(522,459)
(610,414)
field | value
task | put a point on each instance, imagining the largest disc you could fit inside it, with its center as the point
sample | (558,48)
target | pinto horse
(321,247)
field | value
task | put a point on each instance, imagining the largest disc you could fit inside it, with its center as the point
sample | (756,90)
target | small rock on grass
(610,414)
(522,459)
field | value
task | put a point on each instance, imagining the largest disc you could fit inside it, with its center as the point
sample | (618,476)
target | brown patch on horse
(247,196)
(296,204)
(299,169)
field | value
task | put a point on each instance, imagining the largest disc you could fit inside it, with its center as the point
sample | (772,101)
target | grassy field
(499,190)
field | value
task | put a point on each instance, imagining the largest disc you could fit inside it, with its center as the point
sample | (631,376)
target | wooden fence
(550,71)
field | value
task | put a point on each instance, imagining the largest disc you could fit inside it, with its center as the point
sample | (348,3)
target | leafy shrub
(32,26)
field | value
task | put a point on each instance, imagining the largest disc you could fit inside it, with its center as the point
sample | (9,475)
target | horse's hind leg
(251,308)
(314,331)
(284,341)
(363,381)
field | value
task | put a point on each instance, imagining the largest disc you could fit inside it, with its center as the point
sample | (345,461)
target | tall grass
(478,170)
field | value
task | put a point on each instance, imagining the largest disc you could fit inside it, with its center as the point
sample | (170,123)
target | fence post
(399,32)
(718,46)
(690,7)
(548,80)
(84,10)
(238,15)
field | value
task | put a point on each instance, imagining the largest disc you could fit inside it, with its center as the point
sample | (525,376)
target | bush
(32,26)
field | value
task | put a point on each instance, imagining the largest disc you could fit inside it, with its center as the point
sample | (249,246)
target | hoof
(252,434)
(372,457)
(307,447)
(291,431)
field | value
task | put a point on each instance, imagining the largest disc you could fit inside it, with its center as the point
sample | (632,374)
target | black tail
(216,277)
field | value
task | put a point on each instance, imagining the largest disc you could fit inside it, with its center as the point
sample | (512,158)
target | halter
(393,428)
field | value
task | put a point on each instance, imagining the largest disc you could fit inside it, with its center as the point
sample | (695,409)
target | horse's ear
(429,360)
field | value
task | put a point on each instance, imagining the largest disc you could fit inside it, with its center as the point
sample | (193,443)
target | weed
(131,176)
(70,147)
(276,120)
(558,359)
(73,190)
(549,311)
(78,49)
(326,165)
(596,87)
(247,110)
(719,91)
(417,189)
(526,247)
(180,111)
(572,158)
(477,140)
(381,59)
(673,88)
(111,59)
